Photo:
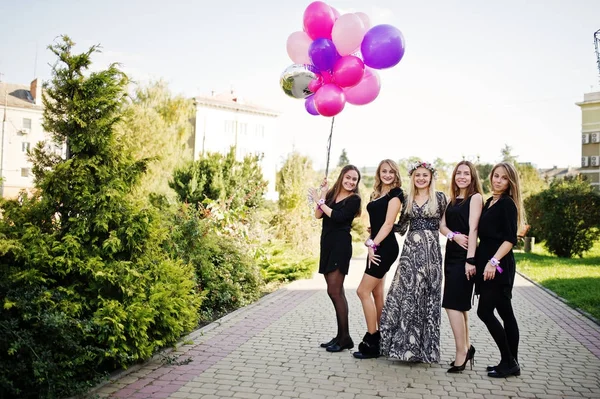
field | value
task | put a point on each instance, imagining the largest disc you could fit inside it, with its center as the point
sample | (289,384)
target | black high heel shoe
(458,369)
(338,348)
(471,355)
(331,342)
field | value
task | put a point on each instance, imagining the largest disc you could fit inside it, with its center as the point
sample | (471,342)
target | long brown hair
(474,187)
(378,184)
(513,190)
(337,187)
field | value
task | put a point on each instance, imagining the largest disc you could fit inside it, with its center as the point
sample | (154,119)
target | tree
(156,125)
(566,216)
(295,220)
(218,177)
(507,155)
(85,283)
(343,161)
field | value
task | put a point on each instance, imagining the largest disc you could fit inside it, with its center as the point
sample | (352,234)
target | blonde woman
(410,321)
(498,225)
(383,249)
(459,225)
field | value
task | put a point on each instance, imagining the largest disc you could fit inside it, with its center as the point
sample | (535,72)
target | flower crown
(421,164)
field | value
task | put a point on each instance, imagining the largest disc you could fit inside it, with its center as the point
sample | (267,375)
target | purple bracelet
(496,263)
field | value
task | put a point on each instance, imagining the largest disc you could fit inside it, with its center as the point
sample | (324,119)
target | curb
(554,295)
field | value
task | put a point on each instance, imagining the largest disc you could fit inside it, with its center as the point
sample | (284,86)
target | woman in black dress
(496,267)
(459,225)
(383,209)
(337,207)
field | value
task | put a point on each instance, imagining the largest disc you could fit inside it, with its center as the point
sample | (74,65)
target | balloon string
(329,147)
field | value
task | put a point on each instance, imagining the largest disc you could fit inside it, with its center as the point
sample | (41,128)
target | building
(226,120)
(21,113)
(558,173)
(590,138)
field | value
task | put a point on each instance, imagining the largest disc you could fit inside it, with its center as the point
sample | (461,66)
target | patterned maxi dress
(410,323)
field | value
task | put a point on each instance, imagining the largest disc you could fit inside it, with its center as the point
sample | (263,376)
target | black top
(378,209)
(336,241)
(498,223)
(342,214)
(457,220)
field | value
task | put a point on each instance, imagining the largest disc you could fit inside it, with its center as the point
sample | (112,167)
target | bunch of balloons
(336,57)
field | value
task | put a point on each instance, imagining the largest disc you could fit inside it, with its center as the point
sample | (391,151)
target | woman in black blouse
(496,267)
(337,207)
(459,225)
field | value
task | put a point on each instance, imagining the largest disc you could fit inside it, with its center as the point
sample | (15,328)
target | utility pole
(2,142)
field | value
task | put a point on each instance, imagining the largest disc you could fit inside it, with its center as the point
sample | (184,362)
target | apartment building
(225,120)
(21,113)
(590,137)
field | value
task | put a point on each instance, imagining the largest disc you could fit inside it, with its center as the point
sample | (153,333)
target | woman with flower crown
(410,321)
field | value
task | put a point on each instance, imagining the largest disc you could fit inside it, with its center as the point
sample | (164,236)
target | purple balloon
(309,104)
(382,47)
(323,54)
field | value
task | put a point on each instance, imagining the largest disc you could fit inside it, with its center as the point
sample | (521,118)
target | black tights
(507,336)
(335,290)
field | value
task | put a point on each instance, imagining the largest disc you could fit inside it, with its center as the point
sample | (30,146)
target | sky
(476,75)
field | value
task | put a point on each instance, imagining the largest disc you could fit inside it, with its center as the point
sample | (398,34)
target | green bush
(226,273)
(280,262)
(565,216)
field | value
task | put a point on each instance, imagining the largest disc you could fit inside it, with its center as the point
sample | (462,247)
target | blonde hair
(474,187)
(432,203)
(378,183)
(513,190)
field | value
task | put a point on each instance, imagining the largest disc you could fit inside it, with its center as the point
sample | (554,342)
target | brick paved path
(271,350)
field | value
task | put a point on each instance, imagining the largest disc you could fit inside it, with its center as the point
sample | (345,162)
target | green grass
(576,280)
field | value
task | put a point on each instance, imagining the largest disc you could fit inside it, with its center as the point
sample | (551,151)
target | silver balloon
(295,79)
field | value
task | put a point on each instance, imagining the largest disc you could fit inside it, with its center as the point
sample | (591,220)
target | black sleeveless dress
(458,291)
(388,248)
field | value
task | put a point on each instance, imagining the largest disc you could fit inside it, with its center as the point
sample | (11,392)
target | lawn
(577,280)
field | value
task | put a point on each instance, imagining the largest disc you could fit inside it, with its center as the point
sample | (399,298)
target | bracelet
(371,244)
(451,235)
(320,203)
(471,261)
(496,263)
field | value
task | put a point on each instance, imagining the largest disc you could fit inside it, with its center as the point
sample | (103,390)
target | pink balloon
(348,71)
(326,77)
(318,20)
(330,100)
(365,19)
(314,85)
(366,90)
(297,47)
(347,34)
(336,13)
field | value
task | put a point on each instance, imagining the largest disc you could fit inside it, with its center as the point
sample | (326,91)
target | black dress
(458,290)
(336,242)
(498,223)
(388,248)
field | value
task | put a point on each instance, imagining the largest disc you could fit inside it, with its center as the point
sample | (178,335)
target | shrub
(566,216)
(85,285)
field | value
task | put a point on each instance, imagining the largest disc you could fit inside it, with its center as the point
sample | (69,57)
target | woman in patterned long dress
(410,322)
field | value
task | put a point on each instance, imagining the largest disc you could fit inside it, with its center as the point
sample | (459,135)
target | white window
(25,172)
(25,146)
(27,123)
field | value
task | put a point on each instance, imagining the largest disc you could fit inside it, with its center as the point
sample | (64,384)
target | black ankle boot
(369,348)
